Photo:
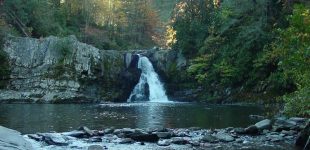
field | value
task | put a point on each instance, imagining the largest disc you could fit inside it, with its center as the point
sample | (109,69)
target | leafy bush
(292,50)
(298,102)
(64,48)
(4,63)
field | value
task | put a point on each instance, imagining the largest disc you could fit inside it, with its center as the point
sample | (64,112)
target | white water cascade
(149,84)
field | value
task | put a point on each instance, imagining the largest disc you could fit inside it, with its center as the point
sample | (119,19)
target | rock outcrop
(12,140)
(64,70)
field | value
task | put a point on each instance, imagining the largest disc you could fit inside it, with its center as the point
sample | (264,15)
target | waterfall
(149,86)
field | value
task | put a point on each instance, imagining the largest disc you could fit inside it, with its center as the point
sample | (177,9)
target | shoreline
(279,133)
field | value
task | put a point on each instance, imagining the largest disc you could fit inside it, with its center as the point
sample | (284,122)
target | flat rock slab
(224,137)
(12,140)
(54,139)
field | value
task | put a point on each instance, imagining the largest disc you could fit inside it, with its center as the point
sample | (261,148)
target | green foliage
(33,17)
(64,48)
(293,54)
(298,102)
(234,34)
(4,63)
(199,68)
(190,21)
(248,47)
(107,24)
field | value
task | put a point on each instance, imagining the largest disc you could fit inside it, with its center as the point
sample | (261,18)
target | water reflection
(31,118)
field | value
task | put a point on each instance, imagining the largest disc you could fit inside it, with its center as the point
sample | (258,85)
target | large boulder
(12,140)
(252,130)
(264,124)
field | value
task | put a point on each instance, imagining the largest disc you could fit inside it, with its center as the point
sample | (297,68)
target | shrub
(4,63)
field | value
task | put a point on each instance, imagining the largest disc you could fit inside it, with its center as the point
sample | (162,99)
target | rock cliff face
(64,70)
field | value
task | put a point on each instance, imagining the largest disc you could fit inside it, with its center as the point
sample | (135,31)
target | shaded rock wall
(64,70)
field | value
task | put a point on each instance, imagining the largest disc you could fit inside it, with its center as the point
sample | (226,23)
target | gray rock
(275,138)
(257,117)
(194,128)
(240,131)
(210,139)
(298,119)
(164,142)
(264,124)
(117,131)
(251,130)
(283,124)
(109,130)
(289,133)
(144,137)
(35,137)
(54,139)
(126,141)
(128,131)
(163,135)
(95,139)
(76,133)
(239,140)
(224,137)
(87,131)
(95,147)
(179,140)
(194,143)
(12,140)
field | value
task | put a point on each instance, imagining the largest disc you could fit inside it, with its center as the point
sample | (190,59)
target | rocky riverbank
(279,133)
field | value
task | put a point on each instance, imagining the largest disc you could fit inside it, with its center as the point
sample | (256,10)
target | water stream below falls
(149,86)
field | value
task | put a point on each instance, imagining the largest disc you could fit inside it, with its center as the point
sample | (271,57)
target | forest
(154,74)
(257,49)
